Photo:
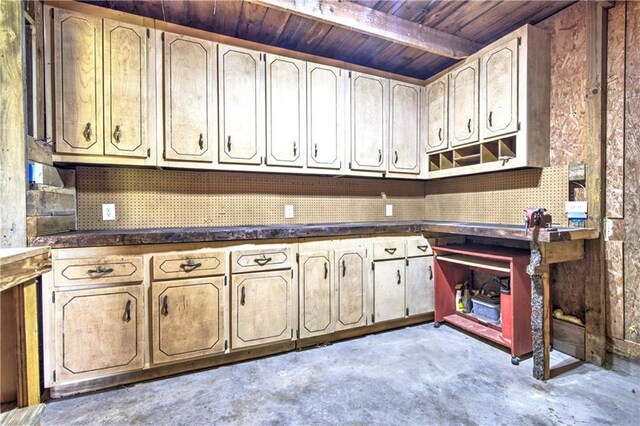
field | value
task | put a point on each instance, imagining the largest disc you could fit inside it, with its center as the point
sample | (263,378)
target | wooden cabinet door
(316,294)
(241,98)
(351,283)
(420,287)
(125,89)
(436,101)
(499,91)
(389,285)
(286,111)
(189,98)
(404,119)
(261,308)
(78,83)
(369,130)
(325,116)
(98,332)
(464,104)
(188,318)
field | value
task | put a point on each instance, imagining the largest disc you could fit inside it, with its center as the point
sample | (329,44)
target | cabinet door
(78,83)
(316,294)
(261,308)
(189,103)
(404,128)
(388,296)
(499,92)
(420,287)
(98,332)
(436,98)
(464,104)
(188,318)
(242,102)
(125,89)
(369,110)
(351,284)
(286,111)
(325,116)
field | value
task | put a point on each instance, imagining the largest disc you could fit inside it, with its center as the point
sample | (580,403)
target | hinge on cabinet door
(164,154)
(407,261)
(373,266)
(226,343)
(373,319)
(54,375)
(225,280)
(349,74)
(292,333)
(53,297)
(297,257)
(148,33)
(51,13)
(349,165)
(518,126)
(407,311)
(148,152)
(292,273)
(297,334)
(519,41)
(162,36)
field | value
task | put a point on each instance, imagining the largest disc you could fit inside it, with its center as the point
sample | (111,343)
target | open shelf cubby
(482,153)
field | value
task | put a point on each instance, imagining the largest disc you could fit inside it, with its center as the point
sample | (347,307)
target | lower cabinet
(316,294)
(98,332)
(389,288)
(352,281)
(419,286)
(260,308)
(187,318)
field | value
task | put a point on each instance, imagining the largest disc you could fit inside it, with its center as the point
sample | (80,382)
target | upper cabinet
(369,129)
(286,111)
(189,98)
(436,99)
(404,128)
(241,96)
(100,70)
(464,103)
(499,105)
(325,116)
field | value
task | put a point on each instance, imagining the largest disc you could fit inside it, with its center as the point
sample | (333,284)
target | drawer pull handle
(229,143)
(326,270)
(190,266)
(87,132)
(391,250)
(344,268)
(117,133)
(295,148)
(430,273)
(242,296)
(100,271)
(399,280)
(490,118)
(423,248)
(262,261)
(315,151)
(395,160)
(165,306)
(201,141)
(127,311)
(469,125)
(379,155)
(440,133)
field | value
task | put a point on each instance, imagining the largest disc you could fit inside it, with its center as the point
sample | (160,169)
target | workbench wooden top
(18,265)
(265,232)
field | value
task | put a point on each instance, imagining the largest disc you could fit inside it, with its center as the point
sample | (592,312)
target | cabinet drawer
(261,260)
(98,270)
(419,246)
(187,265)
(388,248)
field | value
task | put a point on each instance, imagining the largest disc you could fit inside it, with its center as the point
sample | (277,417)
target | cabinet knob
(117,133)
(87,132)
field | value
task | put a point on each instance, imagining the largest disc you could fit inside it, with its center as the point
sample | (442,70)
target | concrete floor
(416,375)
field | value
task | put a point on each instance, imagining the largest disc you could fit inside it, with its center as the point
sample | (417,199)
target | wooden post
(540,313)
(595,284)
(13,179)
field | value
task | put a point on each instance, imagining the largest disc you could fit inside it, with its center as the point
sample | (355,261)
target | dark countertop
(264,232)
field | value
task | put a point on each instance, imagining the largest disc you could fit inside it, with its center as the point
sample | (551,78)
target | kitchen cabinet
(188,318)
(325,116)
(404,133)
(464,105)
(241,98)
(369,127)
(98,332)
(389,285)
(316,294)
(261,308)
(499,100)
(436,104)
(189,98)
(286,111)
(352,284)
(419,297)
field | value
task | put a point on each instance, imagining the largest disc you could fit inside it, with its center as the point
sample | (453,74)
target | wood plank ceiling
(479,21)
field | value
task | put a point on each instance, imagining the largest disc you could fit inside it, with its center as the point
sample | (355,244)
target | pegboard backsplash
(148,198)
(499,197)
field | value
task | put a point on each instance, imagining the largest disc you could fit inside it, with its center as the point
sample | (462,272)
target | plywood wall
(146,198)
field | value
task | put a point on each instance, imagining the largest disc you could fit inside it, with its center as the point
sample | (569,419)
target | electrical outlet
(36,173)
(108,212)
(288,211)
(389,211)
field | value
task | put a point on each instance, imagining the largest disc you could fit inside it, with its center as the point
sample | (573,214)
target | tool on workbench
(536,218)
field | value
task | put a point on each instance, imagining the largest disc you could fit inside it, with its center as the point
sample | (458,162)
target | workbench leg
(540,314)
(26,298)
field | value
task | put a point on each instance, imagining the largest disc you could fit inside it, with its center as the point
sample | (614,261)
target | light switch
(288,211)
(389,211)
(108,212)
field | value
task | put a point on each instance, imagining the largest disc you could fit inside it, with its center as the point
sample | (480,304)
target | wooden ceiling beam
(362,19)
